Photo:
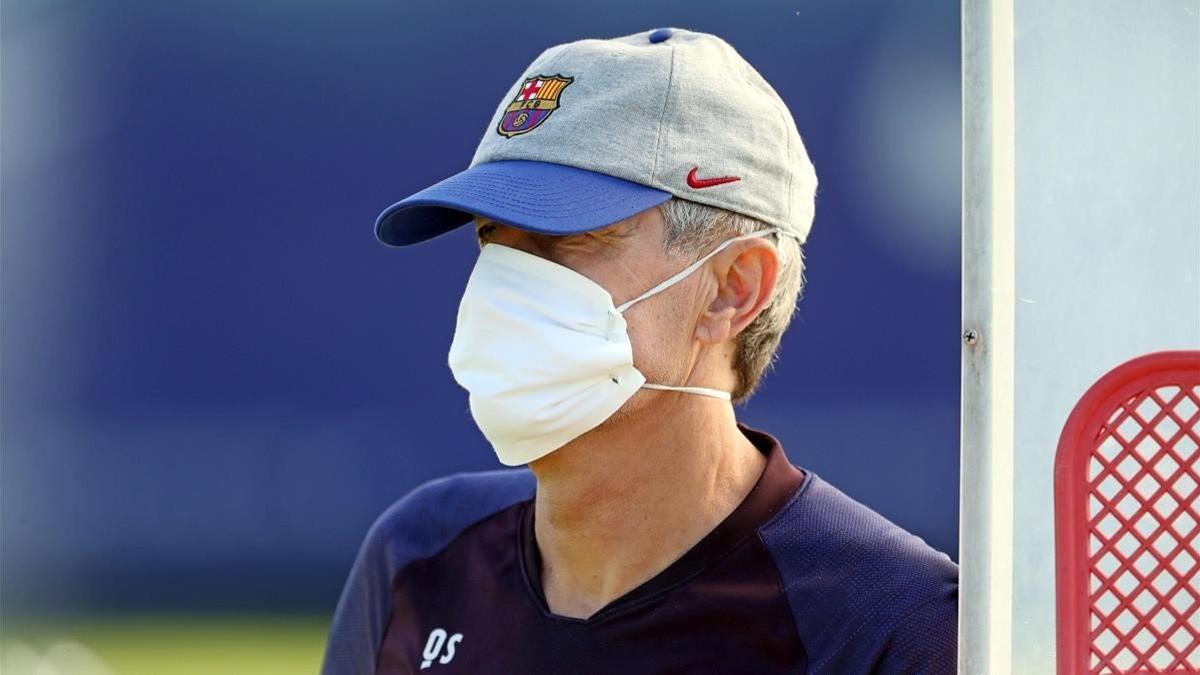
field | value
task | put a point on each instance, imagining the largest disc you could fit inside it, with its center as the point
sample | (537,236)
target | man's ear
(746,273)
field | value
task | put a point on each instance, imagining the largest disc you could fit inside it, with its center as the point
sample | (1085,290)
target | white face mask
(544,353)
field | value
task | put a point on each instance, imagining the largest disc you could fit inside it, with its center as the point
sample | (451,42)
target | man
(640,203)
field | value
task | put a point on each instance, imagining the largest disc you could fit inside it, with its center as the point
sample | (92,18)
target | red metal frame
(1098,467)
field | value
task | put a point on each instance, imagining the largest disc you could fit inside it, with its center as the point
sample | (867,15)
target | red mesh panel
(1126,524)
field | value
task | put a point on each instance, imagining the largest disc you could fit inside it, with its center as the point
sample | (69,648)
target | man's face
(627,259)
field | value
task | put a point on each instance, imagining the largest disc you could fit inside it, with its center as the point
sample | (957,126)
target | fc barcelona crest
(536,99)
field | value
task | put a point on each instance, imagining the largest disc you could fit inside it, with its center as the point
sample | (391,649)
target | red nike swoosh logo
(695,182)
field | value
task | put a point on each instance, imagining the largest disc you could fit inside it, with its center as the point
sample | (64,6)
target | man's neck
(618,505)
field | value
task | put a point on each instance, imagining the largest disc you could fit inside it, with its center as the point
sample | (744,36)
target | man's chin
(630,412)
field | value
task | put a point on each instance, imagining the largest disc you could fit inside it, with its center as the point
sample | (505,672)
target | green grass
(166,644)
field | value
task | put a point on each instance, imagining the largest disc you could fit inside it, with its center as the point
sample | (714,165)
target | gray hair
(694,229)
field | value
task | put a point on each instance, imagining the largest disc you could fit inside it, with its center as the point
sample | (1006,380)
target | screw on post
(970,336)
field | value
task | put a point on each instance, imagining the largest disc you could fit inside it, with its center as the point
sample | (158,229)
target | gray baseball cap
(597,130)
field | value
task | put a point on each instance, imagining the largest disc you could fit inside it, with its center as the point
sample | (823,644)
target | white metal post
(986,497)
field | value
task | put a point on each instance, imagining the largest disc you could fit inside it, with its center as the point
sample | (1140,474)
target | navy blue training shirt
(800,578)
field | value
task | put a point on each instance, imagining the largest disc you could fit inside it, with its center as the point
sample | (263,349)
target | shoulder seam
(782,590)
(400,572)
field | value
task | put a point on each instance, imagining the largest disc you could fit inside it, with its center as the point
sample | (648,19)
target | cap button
(660,35)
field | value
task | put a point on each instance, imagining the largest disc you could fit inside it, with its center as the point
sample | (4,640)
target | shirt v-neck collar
(774,488)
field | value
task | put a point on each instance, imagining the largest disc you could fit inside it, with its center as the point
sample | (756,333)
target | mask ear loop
(701,391)
(682,274)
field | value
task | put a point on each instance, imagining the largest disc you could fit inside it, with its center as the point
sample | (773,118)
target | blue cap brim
(535,196)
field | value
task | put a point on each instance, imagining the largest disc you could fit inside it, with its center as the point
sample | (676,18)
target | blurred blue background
(214,378)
